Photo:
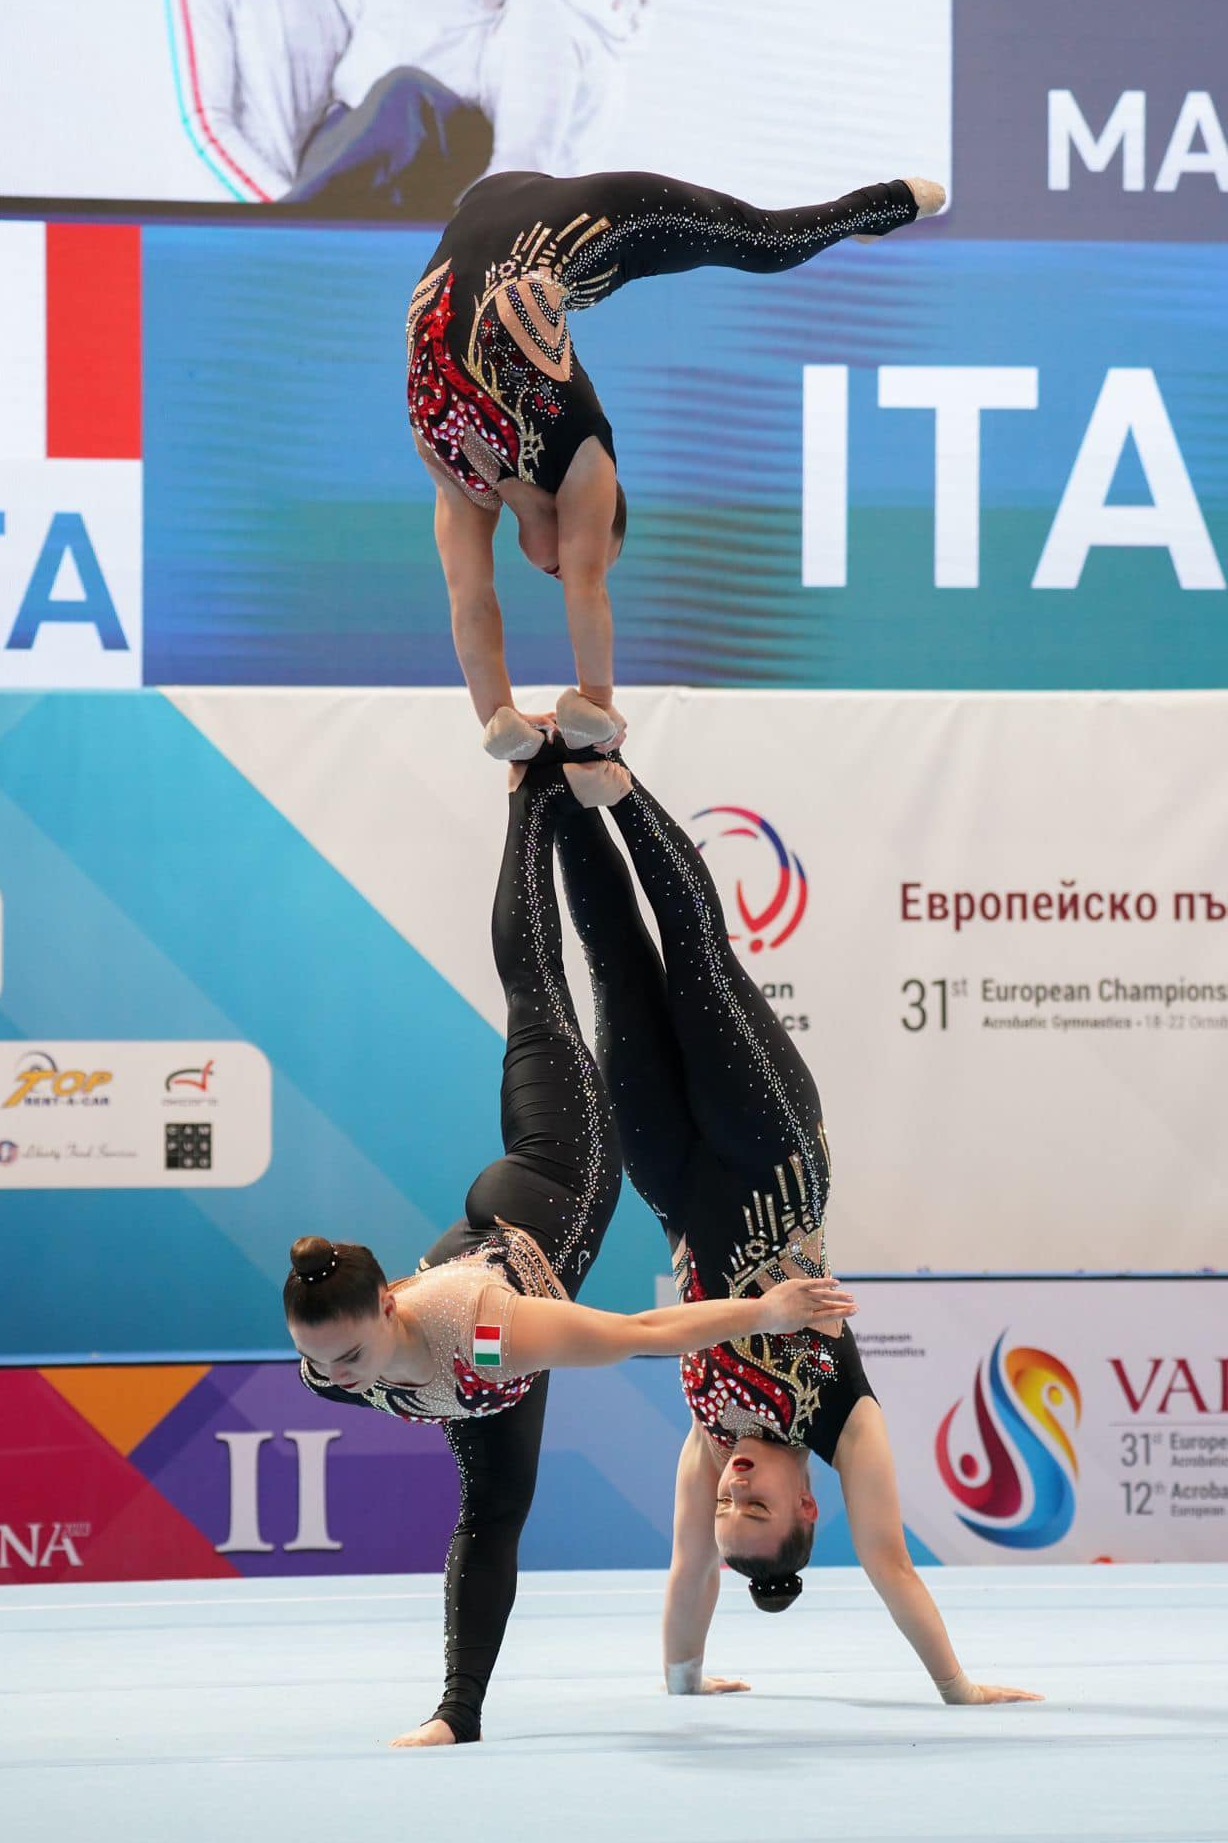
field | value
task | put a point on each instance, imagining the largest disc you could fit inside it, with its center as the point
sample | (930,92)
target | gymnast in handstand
(504,414)
(723,1137)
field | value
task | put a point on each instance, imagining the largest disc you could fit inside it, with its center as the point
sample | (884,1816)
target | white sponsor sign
(1056,1420)
(995,926)
(133,1116)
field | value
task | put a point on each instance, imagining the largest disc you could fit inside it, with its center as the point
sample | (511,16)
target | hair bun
(313,1258)
(775,1593)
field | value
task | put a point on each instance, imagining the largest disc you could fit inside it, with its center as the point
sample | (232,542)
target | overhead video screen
(391,108)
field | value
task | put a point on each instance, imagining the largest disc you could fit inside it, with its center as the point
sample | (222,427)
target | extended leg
(660,226)
(636,1048)
(497,1458)
(749,1091)
(562,1167)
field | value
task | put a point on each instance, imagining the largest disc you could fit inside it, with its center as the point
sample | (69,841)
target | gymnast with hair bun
(465,1340)
(723,1137)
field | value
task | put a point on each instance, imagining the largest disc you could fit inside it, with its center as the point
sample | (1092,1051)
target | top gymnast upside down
(503,412)
(465,1340)
(723,1137)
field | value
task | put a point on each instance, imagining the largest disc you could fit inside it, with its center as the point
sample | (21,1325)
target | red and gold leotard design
(788,1387)
(495,389)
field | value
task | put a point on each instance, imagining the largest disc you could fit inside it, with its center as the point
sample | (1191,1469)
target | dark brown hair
(775,1580)
(330,1280)
(619,527)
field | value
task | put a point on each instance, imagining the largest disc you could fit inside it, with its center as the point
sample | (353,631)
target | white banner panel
(134,1116)
(994,924)
(23,341)
(1056,1420)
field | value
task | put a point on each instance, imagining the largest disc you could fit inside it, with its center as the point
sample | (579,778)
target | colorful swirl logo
(770,926)
(1020,1487)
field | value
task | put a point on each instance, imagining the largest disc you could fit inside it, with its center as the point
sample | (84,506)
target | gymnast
(503,412)
(466,1340)
(723,1137)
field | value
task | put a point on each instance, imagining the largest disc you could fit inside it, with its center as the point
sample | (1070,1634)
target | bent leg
(410,142)
(660,226)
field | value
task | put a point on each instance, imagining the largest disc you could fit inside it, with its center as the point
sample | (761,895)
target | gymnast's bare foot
(434,1733)
(597,783)
(583,723)
(510,736)
(930,196)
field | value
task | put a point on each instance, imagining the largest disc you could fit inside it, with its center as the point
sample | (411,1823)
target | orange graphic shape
(124,1403)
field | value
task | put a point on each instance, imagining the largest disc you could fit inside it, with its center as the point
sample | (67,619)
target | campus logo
(40,1082)
(1016,1481)
(772,924)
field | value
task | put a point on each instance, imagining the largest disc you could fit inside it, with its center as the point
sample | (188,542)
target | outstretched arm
(694,1584)
(553,1334)
(867,1478)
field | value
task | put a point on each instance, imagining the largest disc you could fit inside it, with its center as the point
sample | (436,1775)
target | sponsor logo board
(95,1116)
(1034,1420)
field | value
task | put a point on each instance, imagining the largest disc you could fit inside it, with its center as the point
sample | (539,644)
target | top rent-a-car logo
(38,1081)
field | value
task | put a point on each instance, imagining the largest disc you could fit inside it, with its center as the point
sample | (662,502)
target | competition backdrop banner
(994,926)
(1047,1421)
(923,464)
(986,453)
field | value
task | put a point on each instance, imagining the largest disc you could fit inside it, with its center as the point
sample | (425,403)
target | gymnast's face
(352,1353)
(760,1497)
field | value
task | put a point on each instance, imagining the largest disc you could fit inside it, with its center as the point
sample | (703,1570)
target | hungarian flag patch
(486,1346)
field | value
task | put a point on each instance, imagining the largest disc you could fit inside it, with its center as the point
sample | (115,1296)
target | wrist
(685,1679)
(957,1689)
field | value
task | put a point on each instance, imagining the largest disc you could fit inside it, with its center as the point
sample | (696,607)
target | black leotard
(719,1117)
(558,1180)
(495,389)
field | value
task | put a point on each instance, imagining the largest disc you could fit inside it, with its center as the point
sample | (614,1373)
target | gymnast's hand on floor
(433,1733)
(962,1690)
(689,1680)
(796,1304)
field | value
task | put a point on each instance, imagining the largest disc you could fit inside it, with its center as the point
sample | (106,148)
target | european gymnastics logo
(1020,1487)
(787,904)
